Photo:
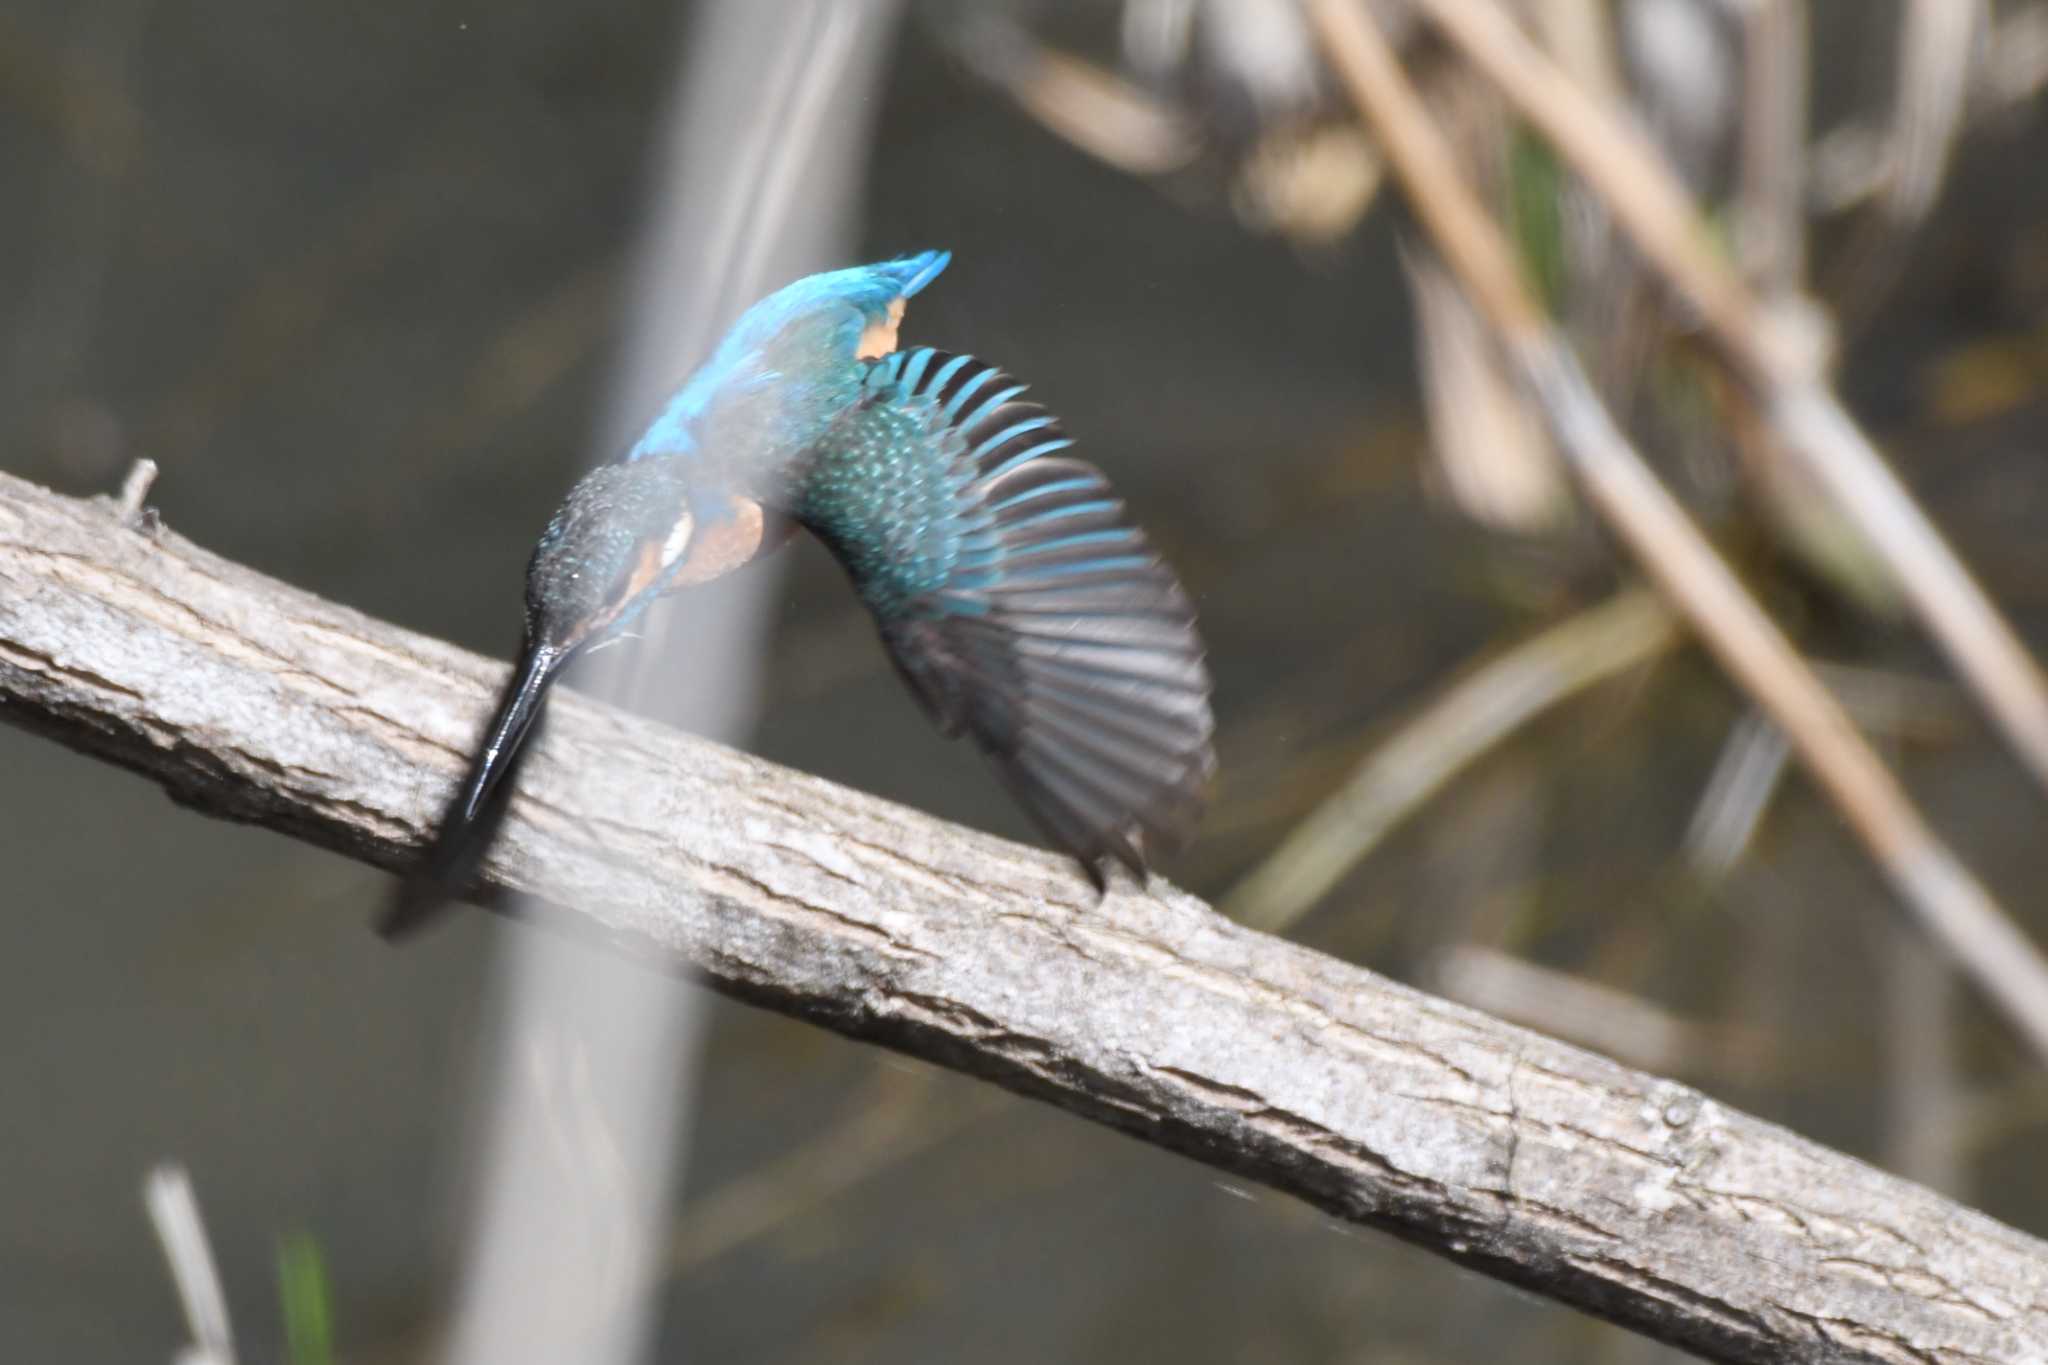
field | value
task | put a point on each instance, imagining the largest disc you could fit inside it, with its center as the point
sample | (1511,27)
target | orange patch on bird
(706,552)
(717,548)
(880,337)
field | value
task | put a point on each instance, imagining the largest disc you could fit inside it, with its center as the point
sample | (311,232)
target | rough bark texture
(1620,1193)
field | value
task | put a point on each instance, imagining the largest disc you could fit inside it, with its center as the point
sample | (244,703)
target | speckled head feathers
(600,558)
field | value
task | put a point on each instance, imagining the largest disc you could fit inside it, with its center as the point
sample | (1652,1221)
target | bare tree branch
(1620,1193)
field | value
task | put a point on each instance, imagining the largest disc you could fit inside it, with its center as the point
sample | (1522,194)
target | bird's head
(615,543)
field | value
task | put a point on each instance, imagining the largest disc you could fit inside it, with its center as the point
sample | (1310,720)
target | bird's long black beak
(479,806)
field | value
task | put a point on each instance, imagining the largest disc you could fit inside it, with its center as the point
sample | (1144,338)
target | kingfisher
(1015,597)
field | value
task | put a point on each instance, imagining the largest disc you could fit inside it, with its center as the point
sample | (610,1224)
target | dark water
(351,274)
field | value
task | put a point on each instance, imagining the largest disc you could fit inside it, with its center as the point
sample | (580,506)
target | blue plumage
(1014,595)
(787,360)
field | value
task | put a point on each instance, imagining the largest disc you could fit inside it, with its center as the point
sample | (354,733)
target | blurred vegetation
(303,1302)
(351,274)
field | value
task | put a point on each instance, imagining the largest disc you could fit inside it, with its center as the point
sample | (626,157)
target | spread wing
(1020,603)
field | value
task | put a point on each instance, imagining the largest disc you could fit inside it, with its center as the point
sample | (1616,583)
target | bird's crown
(871,288)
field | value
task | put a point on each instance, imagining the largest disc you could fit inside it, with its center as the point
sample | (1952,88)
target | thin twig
(1899,706)
(1574,1008)
(1771,181)
(1937,46)
(1752,762)
(174,1213)
(134,489)
(1492,453)
(894,1125)
(1739,790)
(1854,164)
(1774,355)
(1956,911)
(1094,109)
(1440,741)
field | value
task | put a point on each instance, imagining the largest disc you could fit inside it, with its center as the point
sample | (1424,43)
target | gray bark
(1614,1191)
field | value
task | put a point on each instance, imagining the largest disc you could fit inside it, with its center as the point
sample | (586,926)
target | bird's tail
(479,806)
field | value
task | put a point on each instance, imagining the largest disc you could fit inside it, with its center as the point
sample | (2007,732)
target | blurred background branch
(1955,909)
(592,1085)
(174,1215)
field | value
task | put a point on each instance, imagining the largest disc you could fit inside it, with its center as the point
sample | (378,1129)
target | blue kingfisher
(1014,596)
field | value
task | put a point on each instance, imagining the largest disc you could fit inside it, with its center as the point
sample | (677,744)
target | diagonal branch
(1620,1193)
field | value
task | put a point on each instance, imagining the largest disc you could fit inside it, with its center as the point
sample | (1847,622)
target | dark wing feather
(1045,626)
